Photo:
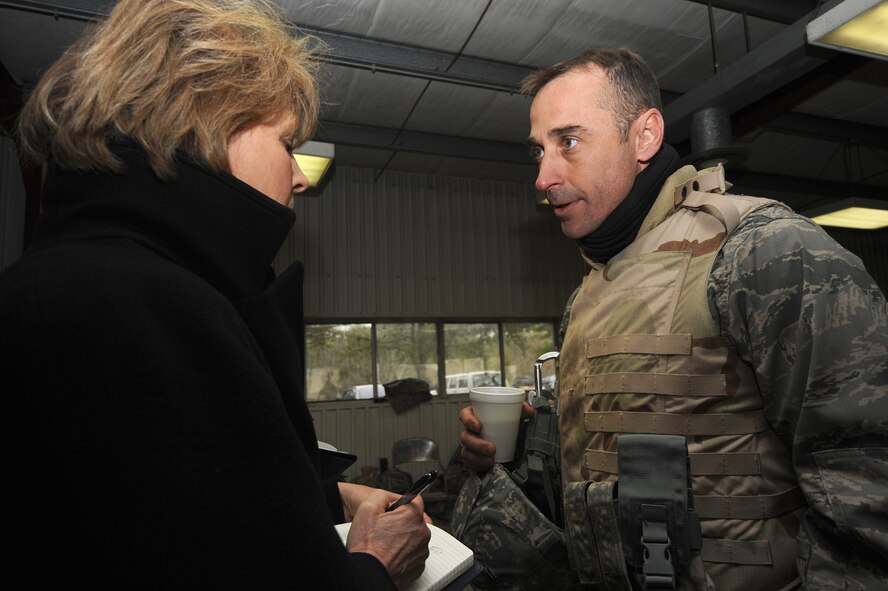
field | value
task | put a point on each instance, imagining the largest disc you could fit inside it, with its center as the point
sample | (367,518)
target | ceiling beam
(423,143)
(345,50)
(405,60)
(795,91)
(830,129)
(776,63)
(807,190)
(443,145)
(79,10)
(781,11)
(353,52)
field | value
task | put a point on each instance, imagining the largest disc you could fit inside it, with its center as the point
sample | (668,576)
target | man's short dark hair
(634,87)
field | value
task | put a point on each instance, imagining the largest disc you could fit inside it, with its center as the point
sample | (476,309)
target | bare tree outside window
(338,358)
(407,350)
(523,343)
(472,356)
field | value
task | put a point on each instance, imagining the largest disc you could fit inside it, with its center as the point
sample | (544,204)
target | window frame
(440,353)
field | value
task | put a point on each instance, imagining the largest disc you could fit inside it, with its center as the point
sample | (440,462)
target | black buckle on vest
(657,569)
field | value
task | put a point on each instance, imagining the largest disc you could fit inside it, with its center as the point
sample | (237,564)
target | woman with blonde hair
(166,442)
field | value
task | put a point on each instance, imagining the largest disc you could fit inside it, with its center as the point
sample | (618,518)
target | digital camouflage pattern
(593,531)
(520,548)
(805,315)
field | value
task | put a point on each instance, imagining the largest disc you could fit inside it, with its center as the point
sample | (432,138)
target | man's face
(586,168)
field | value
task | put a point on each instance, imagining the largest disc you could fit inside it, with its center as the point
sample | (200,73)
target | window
(340,358)
(407,350)
(339,362)
(470,350)
(523,343)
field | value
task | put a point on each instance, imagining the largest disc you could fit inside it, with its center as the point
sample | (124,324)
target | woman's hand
(352,496)
(355,494)
(399,539)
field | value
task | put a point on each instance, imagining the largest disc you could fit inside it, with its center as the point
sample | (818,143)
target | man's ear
(649,134)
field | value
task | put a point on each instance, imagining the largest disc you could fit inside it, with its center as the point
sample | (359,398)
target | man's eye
(569,142)
(536,152)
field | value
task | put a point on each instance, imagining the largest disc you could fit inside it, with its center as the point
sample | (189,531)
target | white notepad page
(448,558)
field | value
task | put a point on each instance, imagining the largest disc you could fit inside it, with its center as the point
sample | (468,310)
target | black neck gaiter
(620,228)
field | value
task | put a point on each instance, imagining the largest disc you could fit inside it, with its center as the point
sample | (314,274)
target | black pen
(418,487)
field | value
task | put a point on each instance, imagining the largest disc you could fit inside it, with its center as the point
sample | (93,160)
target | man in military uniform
(728,321)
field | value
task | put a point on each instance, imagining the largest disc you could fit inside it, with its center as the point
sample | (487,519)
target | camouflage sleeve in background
(803,312)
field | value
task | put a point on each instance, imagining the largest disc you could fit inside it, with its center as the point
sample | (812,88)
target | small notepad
(448,559)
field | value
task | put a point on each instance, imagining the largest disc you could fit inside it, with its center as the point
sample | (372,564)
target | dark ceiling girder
(782,101)
(830,129)
(416,62)
(781,11)
(345,50)
(442,145)
(79,10)
(353,52)
(775,63)
(423,143)
(760,183)
(445,145)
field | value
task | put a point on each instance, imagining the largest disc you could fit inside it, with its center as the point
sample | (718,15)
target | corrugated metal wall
(370,429)
(421,246)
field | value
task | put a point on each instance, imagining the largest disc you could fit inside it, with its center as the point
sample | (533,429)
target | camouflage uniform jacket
(805,315)
(809,327)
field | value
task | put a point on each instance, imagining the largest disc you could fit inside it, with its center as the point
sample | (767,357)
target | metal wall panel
(370,429)
(410,245)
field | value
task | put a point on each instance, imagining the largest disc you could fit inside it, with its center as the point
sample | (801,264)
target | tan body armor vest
(643,355)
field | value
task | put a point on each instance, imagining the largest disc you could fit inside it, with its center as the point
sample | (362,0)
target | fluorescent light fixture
(314,160)
(855,26)
(862,214)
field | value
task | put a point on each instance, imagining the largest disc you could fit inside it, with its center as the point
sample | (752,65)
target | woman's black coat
(154,387)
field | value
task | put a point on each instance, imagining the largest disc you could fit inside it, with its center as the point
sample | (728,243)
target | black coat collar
(211,223)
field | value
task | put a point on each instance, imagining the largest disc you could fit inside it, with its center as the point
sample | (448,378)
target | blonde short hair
(174,75)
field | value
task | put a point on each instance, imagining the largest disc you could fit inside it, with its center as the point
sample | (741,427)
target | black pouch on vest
(658,526)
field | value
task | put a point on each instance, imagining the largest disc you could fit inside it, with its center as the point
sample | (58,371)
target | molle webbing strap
(749,507)
(673,424)
(656,383)
(702,464)
(650,344)
(737,551)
